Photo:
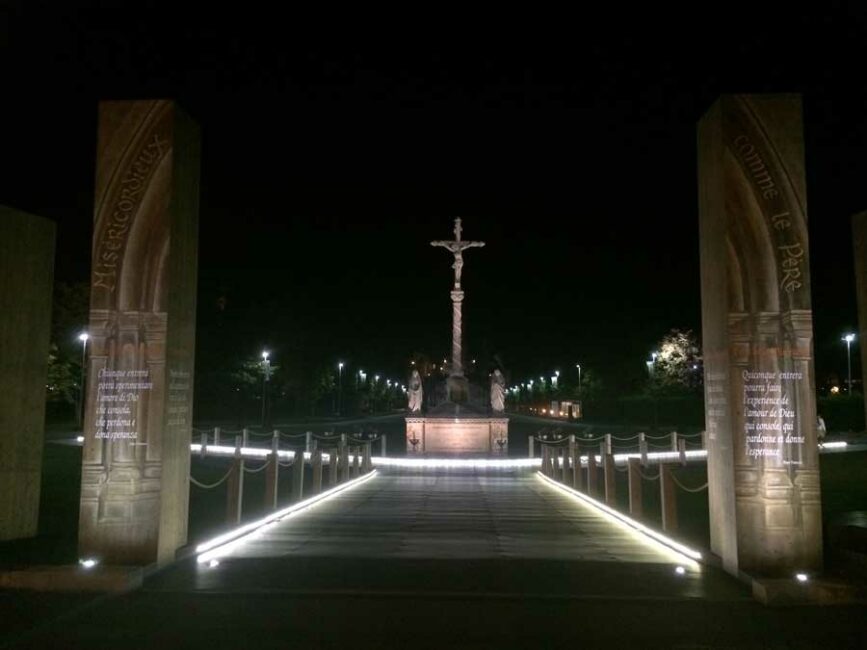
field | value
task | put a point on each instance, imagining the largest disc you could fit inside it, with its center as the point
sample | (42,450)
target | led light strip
(225,543)
(257,452)
(833,445)
(455,463)
(684,552)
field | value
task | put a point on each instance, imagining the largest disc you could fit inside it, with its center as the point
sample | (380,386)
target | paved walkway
(445,560)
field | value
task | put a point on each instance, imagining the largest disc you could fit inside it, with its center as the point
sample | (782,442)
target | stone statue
(415,392)
(498,391)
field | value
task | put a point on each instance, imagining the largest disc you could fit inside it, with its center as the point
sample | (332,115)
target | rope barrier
(212,485)
(551,442)
(282,464)
(258,469)
(618,469)
(686,489)
(292,435)
(635,437)
(263,434)
(648,478)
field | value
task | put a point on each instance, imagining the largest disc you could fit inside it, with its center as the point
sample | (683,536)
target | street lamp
(266,377)
(849,338)
(578,365)
(339,385)
(83,338)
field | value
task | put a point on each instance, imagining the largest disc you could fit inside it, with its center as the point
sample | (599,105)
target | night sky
(330,160)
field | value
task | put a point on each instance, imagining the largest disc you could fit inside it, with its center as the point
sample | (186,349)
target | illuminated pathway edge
(220,545)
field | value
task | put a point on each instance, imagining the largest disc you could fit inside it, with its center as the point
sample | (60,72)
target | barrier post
(642,448)
(674,440)
(333,466)
(564,471)
(681,447)
(308,436)
(382,437)
(530,441)
(576,463)
(368,461)
(668,498)
(298,476)
(204,445)
(610,480)
(591,473)
(235,488)
(272,473)
(216,436)
(245,438)
(356,461)
(316,461)
(635,503)
(344,458)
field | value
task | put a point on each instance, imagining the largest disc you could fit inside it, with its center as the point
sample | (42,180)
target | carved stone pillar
(138,413)
(763,466)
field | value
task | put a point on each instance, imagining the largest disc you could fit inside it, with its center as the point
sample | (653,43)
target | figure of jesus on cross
(457,248)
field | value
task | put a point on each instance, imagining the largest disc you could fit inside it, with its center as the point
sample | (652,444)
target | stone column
(26,278)
(859,240)
(763,470)
(136,459)
(457,353)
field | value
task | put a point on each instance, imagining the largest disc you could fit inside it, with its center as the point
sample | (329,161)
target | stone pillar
(136,459)
(26,279)
(859,240)
(763,470)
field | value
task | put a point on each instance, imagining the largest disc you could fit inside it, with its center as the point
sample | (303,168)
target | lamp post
(849,338)
(578,365)
(83,338)
(266,377)
(339,385)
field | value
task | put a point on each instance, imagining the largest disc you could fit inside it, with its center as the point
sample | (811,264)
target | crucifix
(457,248)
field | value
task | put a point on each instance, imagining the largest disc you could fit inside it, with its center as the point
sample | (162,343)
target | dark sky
(331,159)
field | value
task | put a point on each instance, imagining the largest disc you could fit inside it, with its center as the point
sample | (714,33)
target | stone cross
(457,248)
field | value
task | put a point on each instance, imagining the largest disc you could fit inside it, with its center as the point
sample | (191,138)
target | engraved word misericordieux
(792,253)
(132,185)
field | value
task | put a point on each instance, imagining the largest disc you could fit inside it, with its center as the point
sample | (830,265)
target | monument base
(457,436)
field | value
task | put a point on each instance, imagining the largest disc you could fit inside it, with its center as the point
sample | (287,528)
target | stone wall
(26,278)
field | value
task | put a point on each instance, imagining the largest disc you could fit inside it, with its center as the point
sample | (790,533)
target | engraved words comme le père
(791,251)
(132,186)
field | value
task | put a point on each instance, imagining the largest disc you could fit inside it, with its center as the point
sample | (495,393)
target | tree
(678,367)
(69,318)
